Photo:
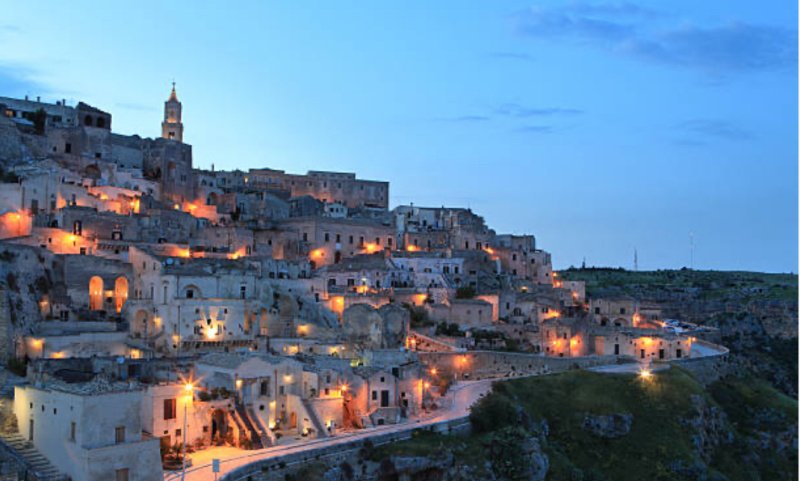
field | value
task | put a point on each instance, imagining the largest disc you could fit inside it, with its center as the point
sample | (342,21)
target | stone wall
(709,368)
(491,364)
(278,467)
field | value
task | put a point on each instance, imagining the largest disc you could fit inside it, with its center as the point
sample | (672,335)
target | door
(616,349)
(384,398)
(661,354)
(30,430)
(642,353)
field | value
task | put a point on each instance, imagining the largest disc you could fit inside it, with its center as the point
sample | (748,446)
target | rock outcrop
(608,426)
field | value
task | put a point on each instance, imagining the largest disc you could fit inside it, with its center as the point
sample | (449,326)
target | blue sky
(599,127)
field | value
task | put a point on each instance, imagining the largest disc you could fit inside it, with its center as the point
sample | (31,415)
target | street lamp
(189,389)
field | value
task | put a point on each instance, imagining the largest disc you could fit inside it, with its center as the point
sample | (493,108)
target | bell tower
(172,127)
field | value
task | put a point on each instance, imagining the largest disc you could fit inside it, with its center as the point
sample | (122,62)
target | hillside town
(154,315)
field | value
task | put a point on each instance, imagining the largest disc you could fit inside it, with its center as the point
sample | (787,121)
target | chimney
(38,99)
(26,96)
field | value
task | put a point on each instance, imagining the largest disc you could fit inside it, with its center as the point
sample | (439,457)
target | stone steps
(31,457)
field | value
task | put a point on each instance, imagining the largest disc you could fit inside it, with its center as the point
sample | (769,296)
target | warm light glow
(434,371)
(412,248)
(647,341)
(177,207)
(427,385)
(337,304)
(574,341)
(240,252)
(317,253)
(188,387)
(239,383)
(210,333)
(419,299)
(645,373)
(488,250)
(57,355)
(303,330)
(343,388)
(551,314)
(371,248)
(37,343)
(362,289)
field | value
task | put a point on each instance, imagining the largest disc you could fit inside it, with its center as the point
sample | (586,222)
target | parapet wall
(706,369)
(477,365)
(278,467)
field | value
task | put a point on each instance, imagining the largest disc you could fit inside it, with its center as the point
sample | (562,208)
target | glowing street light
(189,389)
(645,374)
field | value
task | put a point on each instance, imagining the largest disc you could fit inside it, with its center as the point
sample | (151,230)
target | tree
(465,292)
(39,120)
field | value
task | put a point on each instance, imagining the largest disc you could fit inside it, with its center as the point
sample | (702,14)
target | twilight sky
(599,127)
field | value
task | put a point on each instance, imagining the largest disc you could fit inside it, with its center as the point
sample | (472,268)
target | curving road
(462,395)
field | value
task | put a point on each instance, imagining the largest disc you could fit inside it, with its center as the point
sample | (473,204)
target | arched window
(87,121)
(96,293)
(101,122)
(120,293)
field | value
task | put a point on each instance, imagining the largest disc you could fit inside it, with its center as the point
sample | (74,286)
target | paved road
(463,395)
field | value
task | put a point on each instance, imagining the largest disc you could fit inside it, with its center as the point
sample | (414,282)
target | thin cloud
(19,80)
(714,128)
(520,111)
(645,34)
(534,129)
(465,118)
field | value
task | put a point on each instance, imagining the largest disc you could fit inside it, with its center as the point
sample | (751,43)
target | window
(327,237)
(243,291)
(72,431)
(264,388)
(169,409)
(374,395)
(119,434)
(122,474)
(189,293)
(68,148)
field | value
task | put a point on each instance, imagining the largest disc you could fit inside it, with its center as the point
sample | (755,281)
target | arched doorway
(219,427)
(95,293)
(120,293)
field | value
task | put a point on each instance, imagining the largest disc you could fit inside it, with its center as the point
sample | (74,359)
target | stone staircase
(322,432)
(38,467)
(246,425)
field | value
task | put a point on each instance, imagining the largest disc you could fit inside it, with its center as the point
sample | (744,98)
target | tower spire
(172,127)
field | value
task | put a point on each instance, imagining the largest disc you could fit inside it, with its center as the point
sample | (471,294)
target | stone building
(88,431)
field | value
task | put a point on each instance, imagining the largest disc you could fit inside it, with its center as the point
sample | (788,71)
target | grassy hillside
(737,429)
(756,313)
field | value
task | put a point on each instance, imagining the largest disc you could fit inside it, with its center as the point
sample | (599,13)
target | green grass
(657,437)
(713,284)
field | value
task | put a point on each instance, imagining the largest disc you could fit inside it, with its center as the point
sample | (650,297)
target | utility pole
(635,260)
(691,250)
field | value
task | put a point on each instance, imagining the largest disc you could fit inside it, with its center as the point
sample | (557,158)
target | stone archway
(120,293)
(96,293)
(219,427)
